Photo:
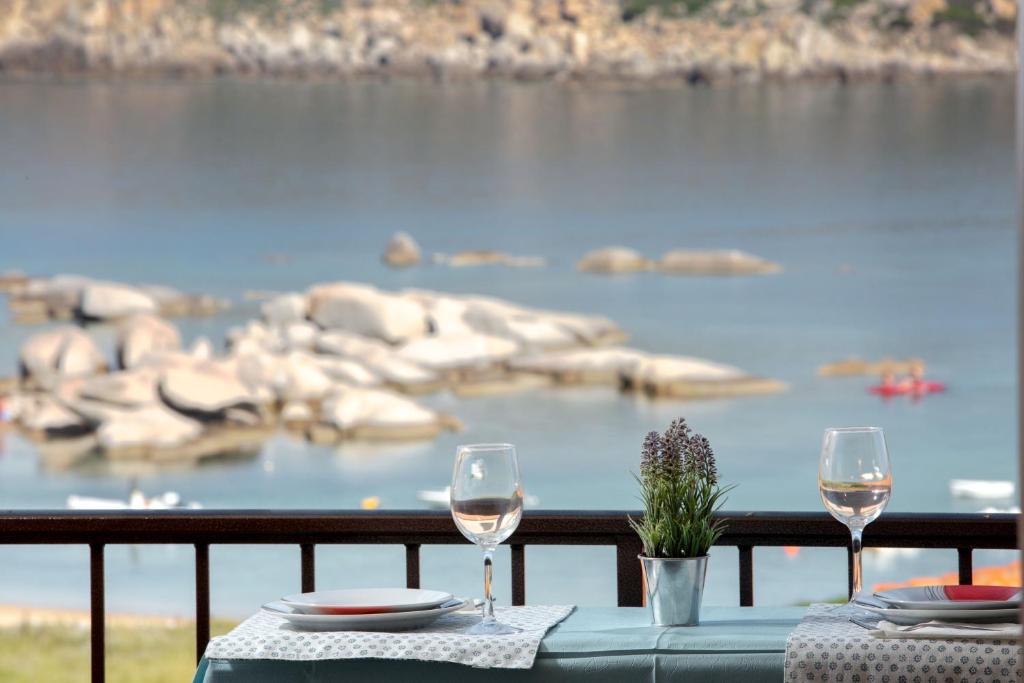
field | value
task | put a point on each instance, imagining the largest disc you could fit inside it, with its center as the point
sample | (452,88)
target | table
(594,644)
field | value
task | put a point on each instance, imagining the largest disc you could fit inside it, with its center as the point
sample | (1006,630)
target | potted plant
(681,493)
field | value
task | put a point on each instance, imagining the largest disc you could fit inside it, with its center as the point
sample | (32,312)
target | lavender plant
(680,491)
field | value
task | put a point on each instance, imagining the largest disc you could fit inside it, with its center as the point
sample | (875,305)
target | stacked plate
(364,609)
(961,604)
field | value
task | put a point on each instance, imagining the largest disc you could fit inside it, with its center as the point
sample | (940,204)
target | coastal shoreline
(585,41)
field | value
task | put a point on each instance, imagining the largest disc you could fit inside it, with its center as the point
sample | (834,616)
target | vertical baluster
(98,634)
(746,575)
(518,574)
(965,562)
(202,598)
(308,567)
(628,572)
(412,565)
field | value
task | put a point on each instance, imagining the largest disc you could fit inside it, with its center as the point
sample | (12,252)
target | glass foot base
(491,627)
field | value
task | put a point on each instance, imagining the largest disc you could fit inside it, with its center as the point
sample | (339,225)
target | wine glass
(855,483)
(487,504)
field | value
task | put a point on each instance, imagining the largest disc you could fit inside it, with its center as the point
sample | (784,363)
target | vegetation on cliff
(686,40)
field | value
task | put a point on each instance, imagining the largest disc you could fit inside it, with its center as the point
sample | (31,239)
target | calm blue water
(891,208)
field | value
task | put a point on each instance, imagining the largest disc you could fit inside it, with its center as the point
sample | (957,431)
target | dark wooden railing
(307,529)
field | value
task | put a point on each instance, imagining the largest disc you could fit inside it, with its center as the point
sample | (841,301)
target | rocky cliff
(681,40)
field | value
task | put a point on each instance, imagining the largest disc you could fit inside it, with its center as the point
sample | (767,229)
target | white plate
(917,616)
(391,621)
(355,601)
(952,597)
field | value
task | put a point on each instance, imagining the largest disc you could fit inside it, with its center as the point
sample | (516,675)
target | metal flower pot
(675,587)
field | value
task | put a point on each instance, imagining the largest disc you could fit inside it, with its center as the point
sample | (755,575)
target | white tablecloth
(828,647)
(264,636)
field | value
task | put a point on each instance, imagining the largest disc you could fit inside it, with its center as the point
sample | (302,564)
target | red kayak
(916,389)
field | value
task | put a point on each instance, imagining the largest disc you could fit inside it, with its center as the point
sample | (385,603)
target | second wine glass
(855,483)
(487,504)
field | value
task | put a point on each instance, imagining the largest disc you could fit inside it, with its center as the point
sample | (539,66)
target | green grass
(631,9)
(135,654)
(963,16)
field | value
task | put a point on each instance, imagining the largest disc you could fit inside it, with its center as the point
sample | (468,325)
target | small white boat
(979,488)
(439,498)
(1012,510)
(168,500)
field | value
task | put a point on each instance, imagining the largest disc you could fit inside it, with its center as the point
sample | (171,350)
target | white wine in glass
(487,504)
(855,483)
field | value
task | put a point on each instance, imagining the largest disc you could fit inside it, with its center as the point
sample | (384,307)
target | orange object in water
(999,575)
(791,550)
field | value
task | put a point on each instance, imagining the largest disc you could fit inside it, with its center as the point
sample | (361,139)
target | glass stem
(488,607)
(856,532)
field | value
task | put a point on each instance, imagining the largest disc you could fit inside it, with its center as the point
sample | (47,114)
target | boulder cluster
(687,41)
(341,360)
(620,260)
(67,297)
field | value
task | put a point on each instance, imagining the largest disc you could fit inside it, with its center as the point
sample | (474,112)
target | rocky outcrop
(582,366)
(681,42)
(365,310)
(859,366)
(144,334)
(149,428)
(613,261)
(63,297)
(488,257)
(283,309)
(206,390)
(379,415)
(402,251)
(618,260)
(53,355)
(341,361)
(691,378)
(715,262)
(109,301)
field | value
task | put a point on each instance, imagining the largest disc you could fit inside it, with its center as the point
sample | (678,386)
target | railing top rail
(578,527)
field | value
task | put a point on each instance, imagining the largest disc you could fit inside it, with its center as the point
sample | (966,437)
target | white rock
(348,371)
(300,335)
(64,351)
(402,251)
(445,314)
(365,310)
(296,412)
(148,427)
(201,349)
(143,334)
(380,359)
(125,389)
(205,388)
(715,262)
(108,300)
(613,260)
(684,377)
(450,352)
(44,415)
(371,408)
(581,366)
(529,329)
(304,380)
(283,309)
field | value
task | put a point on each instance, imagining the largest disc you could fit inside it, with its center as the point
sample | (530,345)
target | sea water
(889,206)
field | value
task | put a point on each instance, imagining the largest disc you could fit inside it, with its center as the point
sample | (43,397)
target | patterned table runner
(264,636)
(828,647)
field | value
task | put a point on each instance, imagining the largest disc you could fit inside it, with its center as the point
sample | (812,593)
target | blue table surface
(595,644)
